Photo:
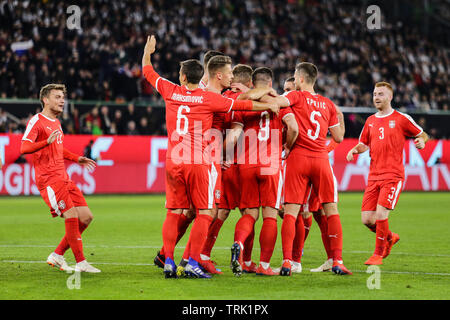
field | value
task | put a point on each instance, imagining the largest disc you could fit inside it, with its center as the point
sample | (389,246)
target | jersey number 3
(381,136)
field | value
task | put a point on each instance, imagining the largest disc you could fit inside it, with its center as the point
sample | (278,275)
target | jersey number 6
(181,116)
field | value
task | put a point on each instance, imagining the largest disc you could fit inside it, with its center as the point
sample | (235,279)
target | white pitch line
(151,264)
(218,248)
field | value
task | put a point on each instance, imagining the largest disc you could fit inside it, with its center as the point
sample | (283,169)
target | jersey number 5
(181,116)
(314,121)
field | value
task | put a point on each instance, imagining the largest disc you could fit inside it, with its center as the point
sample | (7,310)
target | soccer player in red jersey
(308,163)
(188,215)
(208,55)
(189,114)
(260,174)
(384,133)
(43,138)
(230,189)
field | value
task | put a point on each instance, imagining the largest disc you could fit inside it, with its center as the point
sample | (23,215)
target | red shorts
(382,192)
(61,196)
(231,188)
(302,171)
(311,203)
(188,184)
(260,190)
(218,187)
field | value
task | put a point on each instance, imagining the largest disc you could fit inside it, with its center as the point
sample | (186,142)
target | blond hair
(45,91)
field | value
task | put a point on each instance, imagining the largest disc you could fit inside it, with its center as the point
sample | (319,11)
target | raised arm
(149,48)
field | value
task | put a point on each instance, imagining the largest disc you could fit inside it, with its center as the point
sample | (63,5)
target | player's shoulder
(36,119)
(402,115)
(231,94)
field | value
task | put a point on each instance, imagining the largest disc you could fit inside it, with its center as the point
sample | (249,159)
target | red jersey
(222,121)
(262,141)
(315,114)
(189,116)
(49,161)
(385,136)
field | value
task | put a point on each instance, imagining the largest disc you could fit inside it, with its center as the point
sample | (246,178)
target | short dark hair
(262,74)
(209,54)
(308,70)
(193,70)
(45,91)
(242,73)
(216,63)
(290,79)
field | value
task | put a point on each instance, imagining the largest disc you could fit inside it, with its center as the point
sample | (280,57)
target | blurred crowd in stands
(102,59)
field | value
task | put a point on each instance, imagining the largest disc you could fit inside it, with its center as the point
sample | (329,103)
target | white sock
(265,265)
(248,263)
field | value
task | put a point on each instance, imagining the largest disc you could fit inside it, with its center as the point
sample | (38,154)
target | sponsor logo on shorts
(217,194)
(62,204)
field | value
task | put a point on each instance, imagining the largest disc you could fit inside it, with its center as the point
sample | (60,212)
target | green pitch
(126,233)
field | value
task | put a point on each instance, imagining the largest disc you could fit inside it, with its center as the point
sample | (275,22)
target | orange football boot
(387,250)
(374,260)
(264,272)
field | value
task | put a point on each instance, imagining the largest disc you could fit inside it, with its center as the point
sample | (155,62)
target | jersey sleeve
(162,85)
(364,137)
(410,127)
(334,121)
(285,112)
(291,96)
(238,117)
(32,130)
(70,155)
(219,103)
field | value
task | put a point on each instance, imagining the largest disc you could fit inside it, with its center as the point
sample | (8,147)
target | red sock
(299,239)
(170,233)
(372,227)
(187,250)
(288,233)
(307,222)
(183,224)
(73,237)
(267,238)
(244,228)
(248,246)
(198,235)
(64,244)
(213,232)
(381,236)
(335,236)
(323,226)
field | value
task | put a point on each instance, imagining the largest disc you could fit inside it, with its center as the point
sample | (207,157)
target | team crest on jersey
(217,194)
(62,205)
(391,124)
